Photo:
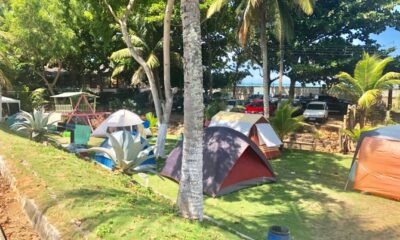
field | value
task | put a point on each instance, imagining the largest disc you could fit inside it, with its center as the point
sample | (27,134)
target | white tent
(245,123)
(121,118)
(255,126)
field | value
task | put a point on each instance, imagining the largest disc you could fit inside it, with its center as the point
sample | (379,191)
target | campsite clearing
(82,200)
(308,197)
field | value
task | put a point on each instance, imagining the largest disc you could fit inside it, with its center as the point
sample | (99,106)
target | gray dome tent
(231,162)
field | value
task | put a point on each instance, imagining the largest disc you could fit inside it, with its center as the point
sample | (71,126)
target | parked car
(230,104)
(257,106)
(316,111)
(335,105)
(253,97)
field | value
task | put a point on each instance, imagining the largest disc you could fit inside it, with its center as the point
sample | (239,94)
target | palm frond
(120,54)
(215,7)
(246,23)
(385,78)
(153,61)
(346,91)
(307,6)
(369,98)
(138,76)
(118,70)
(364,70)
(343,76)
(378,69)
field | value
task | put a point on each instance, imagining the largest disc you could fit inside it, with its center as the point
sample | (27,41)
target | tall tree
(253,14)
(43,38)
(334,38)
(283,27)
(162,109)
(190,198)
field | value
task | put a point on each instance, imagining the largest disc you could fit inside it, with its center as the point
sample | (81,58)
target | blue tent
(108,163)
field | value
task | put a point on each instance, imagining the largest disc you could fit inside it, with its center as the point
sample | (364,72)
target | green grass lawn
(308,198)
(85,201)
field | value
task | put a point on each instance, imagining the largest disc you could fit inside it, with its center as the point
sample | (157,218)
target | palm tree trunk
(163,126)
(264,51)
(190,198)
(292,87)
(281,57)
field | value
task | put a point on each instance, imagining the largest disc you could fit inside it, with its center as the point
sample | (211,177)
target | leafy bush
(283,122)
(213,108)
(355,134)
(152,119)
(128,104)
(239,109)
(36,125)
(38,98)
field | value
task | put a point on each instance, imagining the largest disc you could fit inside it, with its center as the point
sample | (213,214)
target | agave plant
(283,122)
(128,153)
(35,125)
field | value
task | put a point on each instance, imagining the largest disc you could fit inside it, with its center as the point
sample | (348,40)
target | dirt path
(13,221)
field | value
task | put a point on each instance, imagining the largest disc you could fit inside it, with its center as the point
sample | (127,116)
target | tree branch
(112,12)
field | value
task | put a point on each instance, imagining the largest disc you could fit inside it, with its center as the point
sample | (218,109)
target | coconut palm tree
(190,197)
(367,83)
(283,26)
(258,14)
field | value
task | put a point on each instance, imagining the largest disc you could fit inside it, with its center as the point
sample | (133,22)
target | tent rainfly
(255,126)
(231,162)
(376,163)
(119,119)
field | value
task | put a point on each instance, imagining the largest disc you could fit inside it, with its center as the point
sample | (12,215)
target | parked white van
(316,111)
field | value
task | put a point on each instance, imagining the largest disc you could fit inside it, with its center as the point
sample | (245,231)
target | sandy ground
(13,221)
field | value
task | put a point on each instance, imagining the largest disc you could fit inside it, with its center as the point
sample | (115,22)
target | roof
(238,121)
(9,100)
(73,94)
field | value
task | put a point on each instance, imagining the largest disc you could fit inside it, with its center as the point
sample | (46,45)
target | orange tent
(376,164)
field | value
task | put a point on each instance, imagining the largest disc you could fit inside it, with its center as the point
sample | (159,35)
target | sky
(387,39)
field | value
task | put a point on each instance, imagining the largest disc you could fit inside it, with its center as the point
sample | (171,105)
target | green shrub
(38,98)
(213,108)
(283,122)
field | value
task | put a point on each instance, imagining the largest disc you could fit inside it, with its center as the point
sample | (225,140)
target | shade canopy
(9,100)
(73,94)
(120,118)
